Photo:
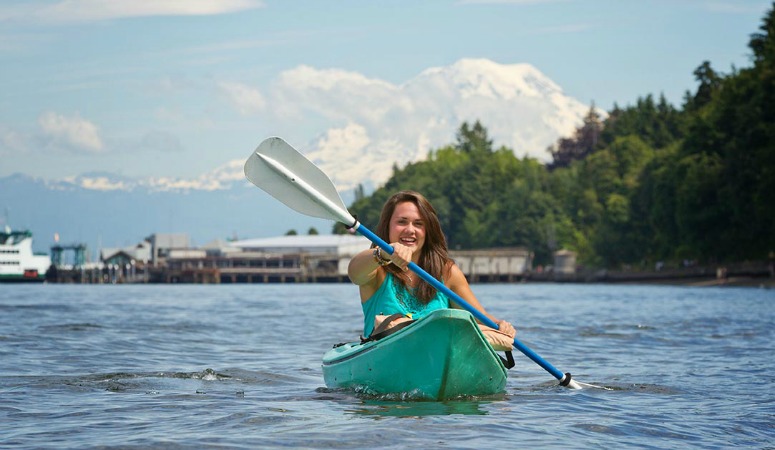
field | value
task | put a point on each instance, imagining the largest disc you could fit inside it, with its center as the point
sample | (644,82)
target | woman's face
(407,226)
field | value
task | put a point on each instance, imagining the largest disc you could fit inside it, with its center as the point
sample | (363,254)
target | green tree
(658,124)
(583,143)
(359,192)
(473,139)
(709,83)
(732,134)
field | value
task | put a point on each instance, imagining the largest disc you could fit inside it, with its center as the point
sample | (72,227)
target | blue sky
(165,88)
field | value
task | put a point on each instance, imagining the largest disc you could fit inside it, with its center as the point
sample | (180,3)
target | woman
(410,224)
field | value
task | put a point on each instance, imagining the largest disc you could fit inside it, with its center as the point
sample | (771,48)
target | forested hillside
(651,182)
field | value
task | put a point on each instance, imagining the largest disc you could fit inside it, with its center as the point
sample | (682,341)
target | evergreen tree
(583,143)
(473,139)
(762,43)
(733,137)
(709,81)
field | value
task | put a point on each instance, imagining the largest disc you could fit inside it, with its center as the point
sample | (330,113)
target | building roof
(339,243)
(307,240)
(170,240)
(140,252)
(219,244)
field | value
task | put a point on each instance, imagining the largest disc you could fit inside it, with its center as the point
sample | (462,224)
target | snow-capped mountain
(79,211)
(520,107)
(220,178)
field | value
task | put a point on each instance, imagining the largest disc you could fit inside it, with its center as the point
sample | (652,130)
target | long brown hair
(434,256)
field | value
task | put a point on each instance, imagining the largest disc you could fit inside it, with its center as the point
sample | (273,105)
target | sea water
(238,366)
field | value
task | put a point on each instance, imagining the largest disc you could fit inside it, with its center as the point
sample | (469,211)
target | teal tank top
(392,298)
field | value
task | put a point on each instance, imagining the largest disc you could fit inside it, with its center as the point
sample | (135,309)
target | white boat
(17,260)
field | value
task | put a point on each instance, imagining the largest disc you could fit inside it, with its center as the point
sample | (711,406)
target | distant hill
(121,217)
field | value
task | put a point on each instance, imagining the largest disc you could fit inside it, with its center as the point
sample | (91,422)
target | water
(239,367)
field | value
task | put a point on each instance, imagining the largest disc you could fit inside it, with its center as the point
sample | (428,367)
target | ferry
(17,260)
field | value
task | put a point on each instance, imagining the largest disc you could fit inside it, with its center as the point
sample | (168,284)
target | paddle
(288,176)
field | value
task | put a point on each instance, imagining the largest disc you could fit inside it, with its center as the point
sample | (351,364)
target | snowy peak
(485,78)
(221,178)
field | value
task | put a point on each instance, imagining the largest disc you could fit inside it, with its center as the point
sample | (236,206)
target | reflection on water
(404,405)
(395,408)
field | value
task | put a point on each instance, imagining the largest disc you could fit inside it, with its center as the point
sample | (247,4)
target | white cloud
(335,94)
(73,133)
(11,141)
(509,2)
(352,138)
(344,153)
(233,170)
(247,100)
(99,10)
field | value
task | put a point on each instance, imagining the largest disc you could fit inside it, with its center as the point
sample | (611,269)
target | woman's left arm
(456,281)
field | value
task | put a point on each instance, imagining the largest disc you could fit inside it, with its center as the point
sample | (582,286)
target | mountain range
(520,107)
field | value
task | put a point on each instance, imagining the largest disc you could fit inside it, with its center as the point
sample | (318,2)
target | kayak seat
(384,329)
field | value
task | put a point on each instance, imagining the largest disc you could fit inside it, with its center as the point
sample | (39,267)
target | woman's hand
(506,327)
(401,256)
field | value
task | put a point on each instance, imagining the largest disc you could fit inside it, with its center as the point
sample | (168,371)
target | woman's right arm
(366,270)
(363,267)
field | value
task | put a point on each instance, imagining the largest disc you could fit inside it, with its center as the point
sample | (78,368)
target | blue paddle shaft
(462,303)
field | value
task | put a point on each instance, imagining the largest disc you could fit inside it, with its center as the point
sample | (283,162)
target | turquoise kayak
(441,356)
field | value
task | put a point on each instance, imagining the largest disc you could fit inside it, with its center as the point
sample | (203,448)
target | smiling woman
(410,223)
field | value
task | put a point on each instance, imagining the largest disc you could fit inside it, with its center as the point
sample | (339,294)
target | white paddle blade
(593,386)
(285,174)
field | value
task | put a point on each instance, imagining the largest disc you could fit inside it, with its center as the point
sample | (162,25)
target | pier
(287,259)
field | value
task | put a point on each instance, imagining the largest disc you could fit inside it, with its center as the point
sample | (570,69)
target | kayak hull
(441,356)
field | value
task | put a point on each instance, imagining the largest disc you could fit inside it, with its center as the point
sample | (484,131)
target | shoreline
(761,277)
(692,281)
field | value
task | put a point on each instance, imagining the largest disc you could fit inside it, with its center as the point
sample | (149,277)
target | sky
(180,88)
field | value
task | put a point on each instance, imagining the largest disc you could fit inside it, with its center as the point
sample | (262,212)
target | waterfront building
(283,259)
(317,258)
